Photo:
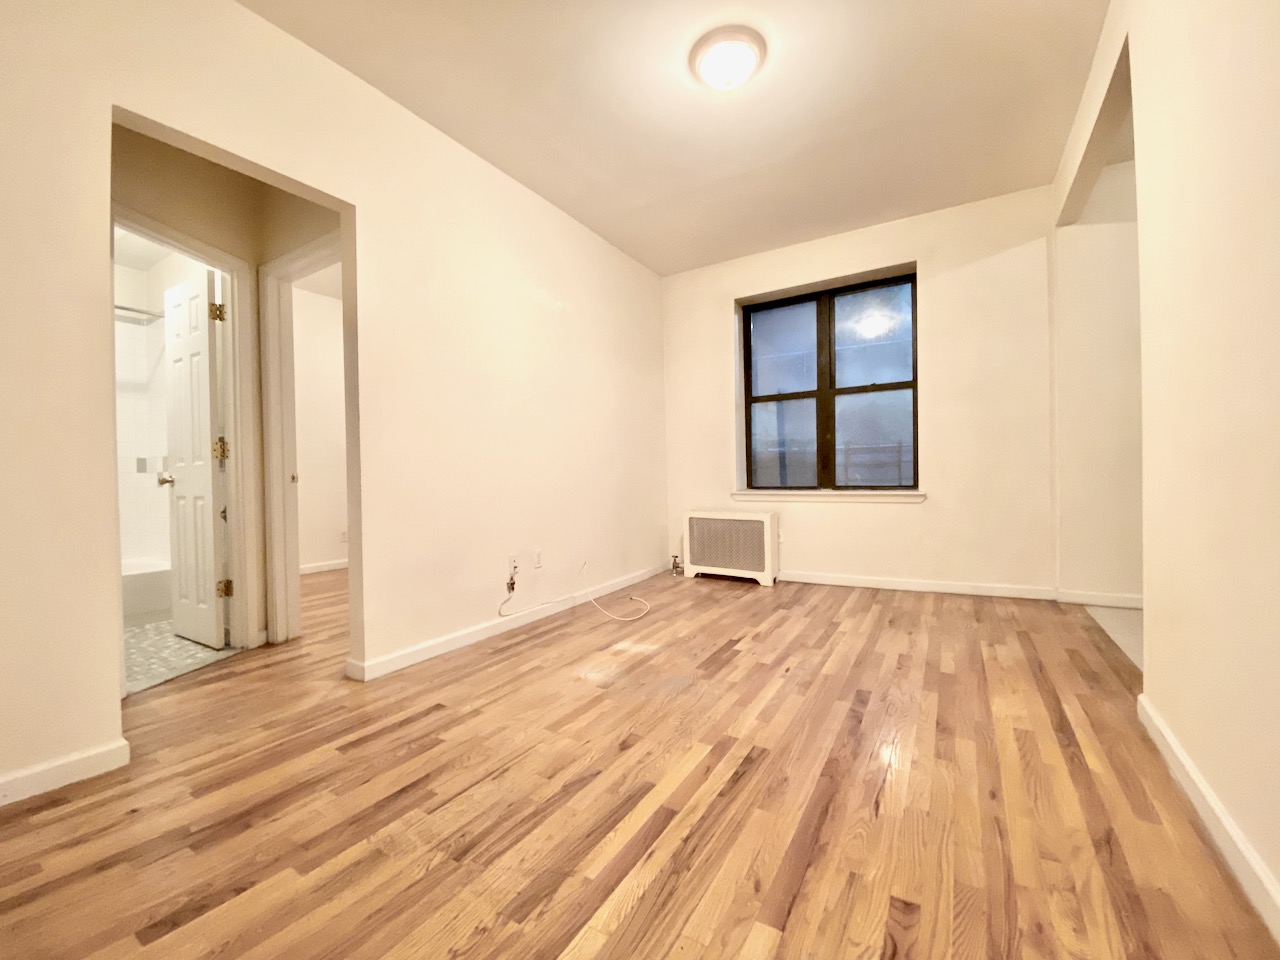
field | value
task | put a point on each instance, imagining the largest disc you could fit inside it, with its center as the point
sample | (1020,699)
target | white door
(195,490)
(293,557)
(284,598)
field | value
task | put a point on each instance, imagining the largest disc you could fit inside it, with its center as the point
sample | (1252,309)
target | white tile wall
(142,424)
(141,433)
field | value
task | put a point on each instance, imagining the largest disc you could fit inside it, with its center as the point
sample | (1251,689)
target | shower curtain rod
(145,313)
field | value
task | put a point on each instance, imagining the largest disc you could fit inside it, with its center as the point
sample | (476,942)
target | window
(831,388)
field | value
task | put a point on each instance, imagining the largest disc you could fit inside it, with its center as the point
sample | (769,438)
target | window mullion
(772,397)
(826,405)
(876,387)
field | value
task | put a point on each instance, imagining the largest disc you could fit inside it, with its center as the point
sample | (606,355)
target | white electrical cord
(611,616)
(548,603)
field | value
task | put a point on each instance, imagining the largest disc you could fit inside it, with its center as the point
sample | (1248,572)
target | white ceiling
(865,110)
(131,250)
(326,282)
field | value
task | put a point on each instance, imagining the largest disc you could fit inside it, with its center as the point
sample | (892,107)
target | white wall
(321,434)
(983,367)
(1206,82)
(141,441)
(1098,399)
(509,360)
(129,286)
(141,427)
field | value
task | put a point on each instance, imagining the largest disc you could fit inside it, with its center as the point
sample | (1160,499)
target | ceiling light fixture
(727,57)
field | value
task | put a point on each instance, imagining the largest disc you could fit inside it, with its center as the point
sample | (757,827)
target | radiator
(734,544)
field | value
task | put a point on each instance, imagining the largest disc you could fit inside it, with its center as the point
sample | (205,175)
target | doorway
(319,421)
(253,227)
(305,413)
(1097,375)
(171,487)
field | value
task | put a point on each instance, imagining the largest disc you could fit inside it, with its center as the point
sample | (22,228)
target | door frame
(279,438)
(238,402)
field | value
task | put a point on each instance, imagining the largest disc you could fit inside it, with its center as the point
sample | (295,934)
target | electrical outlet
(344,536)
(537,559)
(512,568)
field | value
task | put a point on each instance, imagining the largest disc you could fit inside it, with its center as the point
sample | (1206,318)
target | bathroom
(144,272)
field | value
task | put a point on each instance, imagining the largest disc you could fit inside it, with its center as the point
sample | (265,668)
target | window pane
(875,443)
(784,349)
(873,336)
(784,444)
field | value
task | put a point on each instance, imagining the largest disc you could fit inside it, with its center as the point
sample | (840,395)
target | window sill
(830,496)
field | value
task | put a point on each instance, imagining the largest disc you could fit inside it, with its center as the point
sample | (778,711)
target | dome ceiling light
(727,57)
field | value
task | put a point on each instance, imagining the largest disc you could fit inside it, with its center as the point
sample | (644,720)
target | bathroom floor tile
(152,655)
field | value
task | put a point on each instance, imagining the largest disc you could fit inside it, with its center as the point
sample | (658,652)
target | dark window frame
(826,391)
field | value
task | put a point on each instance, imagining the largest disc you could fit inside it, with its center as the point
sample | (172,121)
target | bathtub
(146,587)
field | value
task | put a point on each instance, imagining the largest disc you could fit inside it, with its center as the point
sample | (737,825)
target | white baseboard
(324,566)
(924,586)
(1014,590)
(81,765)
(1125,601)
(1259,883)
(391,662)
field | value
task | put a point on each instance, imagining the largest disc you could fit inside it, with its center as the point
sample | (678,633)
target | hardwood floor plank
(764,774)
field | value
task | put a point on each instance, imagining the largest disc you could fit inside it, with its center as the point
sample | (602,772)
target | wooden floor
(805,771)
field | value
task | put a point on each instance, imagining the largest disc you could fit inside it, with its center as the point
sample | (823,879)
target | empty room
(640,479)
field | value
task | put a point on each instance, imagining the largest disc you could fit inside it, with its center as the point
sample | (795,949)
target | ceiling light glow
(727,57)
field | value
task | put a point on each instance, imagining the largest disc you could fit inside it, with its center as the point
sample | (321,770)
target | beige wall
(289,222)
(509,360)
(193,196)
(1097,397)
(984,403)
(321,436)
(234,213)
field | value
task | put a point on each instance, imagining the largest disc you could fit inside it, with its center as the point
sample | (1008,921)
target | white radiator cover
(733,544)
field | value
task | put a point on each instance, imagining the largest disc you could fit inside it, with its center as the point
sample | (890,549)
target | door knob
(164,479)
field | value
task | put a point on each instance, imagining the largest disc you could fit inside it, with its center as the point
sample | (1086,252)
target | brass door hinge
(217,311)
(221,449)
(225,589)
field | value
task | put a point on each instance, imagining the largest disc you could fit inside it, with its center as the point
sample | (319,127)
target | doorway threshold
(153,655)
